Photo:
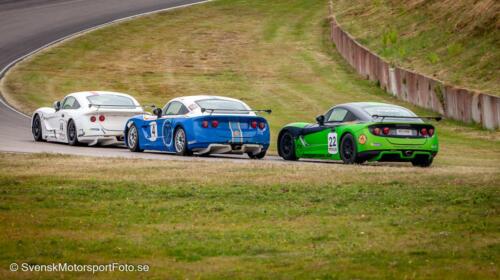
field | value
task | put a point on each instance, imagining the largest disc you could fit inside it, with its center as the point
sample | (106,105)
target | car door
(160,132)
(62,117)
(323,142)
(51,123)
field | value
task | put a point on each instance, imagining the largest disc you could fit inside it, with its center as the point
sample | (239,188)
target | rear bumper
(396,155)
(100,136)
(230,149)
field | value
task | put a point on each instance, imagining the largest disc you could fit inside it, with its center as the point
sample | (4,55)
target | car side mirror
(320,119)
(57,105)
(157,112)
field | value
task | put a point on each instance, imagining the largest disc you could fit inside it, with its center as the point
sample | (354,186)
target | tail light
(102,118)
(377,131)
(204,124)
(262,125)
(423,131)
(386,130)
(93,119)
(431,131)
(215,123)
(253,124)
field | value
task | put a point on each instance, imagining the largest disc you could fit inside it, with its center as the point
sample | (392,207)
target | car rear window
(391,111)
(223,106)
(111,100)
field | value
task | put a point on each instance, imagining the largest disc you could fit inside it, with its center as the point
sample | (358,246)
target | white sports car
(89,117)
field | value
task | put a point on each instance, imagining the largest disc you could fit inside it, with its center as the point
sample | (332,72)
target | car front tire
(36,129)
(133,139)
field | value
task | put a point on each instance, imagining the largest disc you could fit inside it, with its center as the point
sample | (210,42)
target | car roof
(81,95)
(194,108)
(360,105)
(358,108)
(96,92)
(195,98)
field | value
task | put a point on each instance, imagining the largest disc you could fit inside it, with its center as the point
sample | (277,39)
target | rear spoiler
(438,118)
(203,110)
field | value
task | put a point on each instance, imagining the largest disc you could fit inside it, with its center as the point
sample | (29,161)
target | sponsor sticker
(153,129)
(332,143)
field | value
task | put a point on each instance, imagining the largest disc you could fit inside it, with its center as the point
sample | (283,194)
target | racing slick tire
(286,146)
(133,139)
(71,133)
(422,162)
(260,155)
(36,129)
(180,142)
(348,151)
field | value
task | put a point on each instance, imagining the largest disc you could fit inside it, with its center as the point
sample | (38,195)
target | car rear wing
(438,118)
(203,110)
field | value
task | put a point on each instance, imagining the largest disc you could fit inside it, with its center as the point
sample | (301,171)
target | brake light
(376,131)
(386,130)
(431,131)
(423,131)
(93,119)
(253,124)
(204,124)
(102,118)
(215,123)
(262,125)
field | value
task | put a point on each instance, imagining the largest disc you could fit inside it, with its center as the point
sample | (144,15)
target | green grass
(454,41)
(211,221)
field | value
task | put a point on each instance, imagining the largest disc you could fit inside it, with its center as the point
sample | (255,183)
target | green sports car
(362,131)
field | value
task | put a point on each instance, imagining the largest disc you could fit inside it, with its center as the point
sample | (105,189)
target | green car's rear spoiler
(438,118)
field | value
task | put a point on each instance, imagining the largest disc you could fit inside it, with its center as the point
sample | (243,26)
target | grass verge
(211,221)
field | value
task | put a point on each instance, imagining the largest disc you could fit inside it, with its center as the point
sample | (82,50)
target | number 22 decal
(332,143)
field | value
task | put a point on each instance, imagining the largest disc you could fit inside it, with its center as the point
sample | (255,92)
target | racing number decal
(333,146)
(153,129)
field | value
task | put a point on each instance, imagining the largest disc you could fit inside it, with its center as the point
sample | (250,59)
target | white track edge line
(78,33)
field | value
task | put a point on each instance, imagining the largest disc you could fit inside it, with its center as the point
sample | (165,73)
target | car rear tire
(348,150)
(180,142)
(36,129)
(422,162)
(71,133)
(133,139)
(260,155)
(286,146)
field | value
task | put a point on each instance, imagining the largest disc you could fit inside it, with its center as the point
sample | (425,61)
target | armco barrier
(455,103)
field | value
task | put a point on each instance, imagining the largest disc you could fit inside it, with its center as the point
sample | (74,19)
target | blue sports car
(200,125)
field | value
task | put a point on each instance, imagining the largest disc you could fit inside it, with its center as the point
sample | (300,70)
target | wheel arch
(127,128)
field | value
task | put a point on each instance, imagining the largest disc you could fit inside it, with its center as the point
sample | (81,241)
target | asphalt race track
(27,25)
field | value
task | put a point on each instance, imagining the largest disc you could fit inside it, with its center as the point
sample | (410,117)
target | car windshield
(111,100)
(392,111)
(223,106)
